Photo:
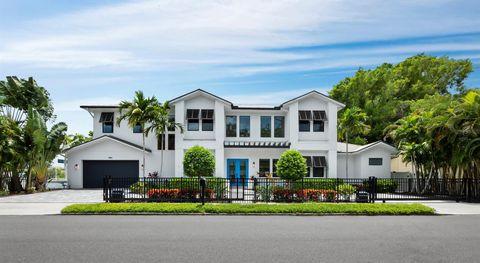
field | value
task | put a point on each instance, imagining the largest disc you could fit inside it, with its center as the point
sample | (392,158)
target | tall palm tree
(160,124)
(139,111)
(352,122)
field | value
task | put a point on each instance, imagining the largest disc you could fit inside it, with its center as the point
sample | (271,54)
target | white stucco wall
(359,167)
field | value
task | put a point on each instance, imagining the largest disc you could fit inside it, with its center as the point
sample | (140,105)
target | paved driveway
(48,202)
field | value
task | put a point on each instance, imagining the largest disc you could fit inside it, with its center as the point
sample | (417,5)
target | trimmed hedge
(216,185)
(192,208)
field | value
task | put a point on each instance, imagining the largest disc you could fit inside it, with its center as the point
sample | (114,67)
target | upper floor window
(375,161)
(279,126)
(107,118)
(266,126)
(171,141)
(231,126)
(161,142)
(137,128)
(193,119)
(207,120)
(244,126)
(304,118)
(171,119)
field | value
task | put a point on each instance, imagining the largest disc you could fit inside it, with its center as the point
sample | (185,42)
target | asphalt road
(239,239)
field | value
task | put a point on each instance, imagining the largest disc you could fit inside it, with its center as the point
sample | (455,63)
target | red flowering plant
(163,193)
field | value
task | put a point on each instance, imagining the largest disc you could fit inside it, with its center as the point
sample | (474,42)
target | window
(319,115)
(274,167)
(106,118)
(304,126)
(244,126)
(266,126)
(375,161)
(279,126)
(318,126)
(171,141)
(107,127)
(171,119)
(137,128)
(193,122)
(231,126)
(308,159)
(207,120)
(161,142)
(304,115)
(264,166)
(318,171)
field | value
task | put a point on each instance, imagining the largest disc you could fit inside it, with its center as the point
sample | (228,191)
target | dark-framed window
(231,126)
(207,119)
(279,126)
(264,166)
(375,161)
(207,125)
(308,160)
(304,126)
(171,119)
(318,126)
(265,126)
(274,167)
(319,115)
(161,142)
(137,128)
(304,115)
(107,127)
(193,119)
(193,124)
(171,141)
(107,118)
(244,126)
(318,172)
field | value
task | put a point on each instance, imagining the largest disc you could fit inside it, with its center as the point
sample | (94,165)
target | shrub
(291,165)
(163,193)
(289,195)
(317,183)
(383,185)
(137,188)
(198,162)
(346,189)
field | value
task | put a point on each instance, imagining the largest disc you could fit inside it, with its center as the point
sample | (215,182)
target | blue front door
(237,172)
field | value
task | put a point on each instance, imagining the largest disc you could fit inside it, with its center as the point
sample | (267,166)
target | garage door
(95,171)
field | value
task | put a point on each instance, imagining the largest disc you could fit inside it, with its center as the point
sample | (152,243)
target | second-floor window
(231,126)
(266,126)
(306,118)
(244,126)
(207,120)
(137,128)
(279,126)
(107,118)
(193,119)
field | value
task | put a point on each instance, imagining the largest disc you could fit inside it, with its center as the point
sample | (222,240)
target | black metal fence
(118,189)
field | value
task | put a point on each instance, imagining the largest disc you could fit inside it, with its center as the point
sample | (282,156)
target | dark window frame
(207,121)
(281,131)
(318,126)
(193,121)
(260,170)
(269,123)
(374,161)
(161,143)
(300,122)
(240,130)
(171,141)
(107,124)
(234,124)
(137,128)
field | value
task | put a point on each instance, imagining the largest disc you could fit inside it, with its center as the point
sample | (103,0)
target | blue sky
(250,52)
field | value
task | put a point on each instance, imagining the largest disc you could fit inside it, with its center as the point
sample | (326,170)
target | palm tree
(160,124)
(140,111)
(353,122)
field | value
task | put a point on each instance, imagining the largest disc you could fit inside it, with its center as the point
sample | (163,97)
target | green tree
(139,111)
(160,124)
(352,123)
(385,93)
(198,161)
(291,165)
(73,140)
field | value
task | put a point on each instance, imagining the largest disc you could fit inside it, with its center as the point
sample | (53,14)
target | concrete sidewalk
(31,208)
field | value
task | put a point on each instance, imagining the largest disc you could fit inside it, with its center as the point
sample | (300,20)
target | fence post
(254,189)
(109,188)
(372,183)
(203,183)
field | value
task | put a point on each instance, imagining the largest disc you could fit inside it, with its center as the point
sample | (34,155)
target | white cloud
(74,105)
(274,98)
(174,35)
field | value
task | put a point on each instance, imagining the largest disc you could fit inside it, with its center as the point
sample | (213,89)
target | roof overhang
(373,145)
(314,93)
(104,138)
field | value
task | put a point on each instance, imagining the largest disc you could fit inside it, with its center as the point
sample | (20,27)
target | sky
(249,52)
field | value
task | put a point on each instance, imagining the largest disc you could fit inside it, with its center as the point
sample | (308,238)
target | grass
(194,208)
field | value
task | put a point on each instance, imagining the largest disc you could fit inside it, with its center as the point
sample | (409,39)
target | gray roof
(354,148)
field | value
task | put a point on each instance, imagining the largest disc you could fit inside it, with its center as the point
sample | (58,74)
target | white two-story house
(246,141)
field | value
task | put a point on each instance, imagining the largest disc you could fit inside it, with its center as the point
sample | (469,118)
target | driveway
(48,202)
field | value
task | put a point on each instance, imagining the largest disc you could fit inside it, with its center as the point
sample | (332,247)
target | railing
(213,189)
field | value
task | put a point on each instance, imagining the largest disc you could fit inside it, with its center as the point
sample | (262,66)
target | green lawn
(305,208)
